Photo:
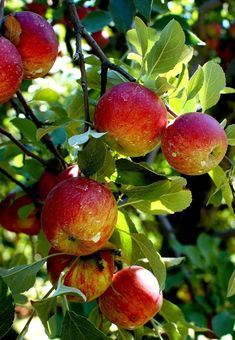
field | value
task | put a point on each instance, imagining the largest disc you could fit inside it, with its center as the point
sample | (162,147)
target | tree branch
(22,147)
(2,3)
(80,29)
(12,179)
(45,139)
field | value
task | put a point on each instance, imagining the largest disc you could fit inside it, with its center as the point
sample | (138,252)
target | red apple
(213,30)
(37,7)
(36,42)
(49,179)
(133,116)
(91,274)
(101,37)
(11,70)
(79,216)
(5,213)
(10,215)
(132,299)
(194,143)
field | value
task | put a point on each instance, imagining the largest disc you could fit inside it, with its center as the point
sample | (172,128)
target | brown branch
(22,147)
(104,75)
(45,139)
(2,3)
(79,28)
(172,113)
(79,58)
(12,179)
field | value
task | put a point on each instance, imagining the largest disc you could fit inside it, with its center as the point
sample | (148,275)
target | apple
(10,215)
(91,274)
(37,7)
(213,30)
(133,298)
(49,179)
(101,37)
(133,117)
(35,41)
(79,216)
(194,143)
(11,70)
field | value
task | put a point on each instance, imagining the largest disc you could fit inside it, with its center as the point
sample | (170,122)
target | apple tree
(117,159)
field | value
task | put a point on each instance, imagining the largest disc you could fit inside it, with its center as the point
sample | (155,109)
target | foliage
(179,227)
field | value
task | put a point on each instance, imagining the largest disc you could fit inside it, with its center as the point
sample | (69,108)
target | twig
(45,139)
(12,179)
(172,113)
(79,58)
(79,28)
(2,3)
(22,147)
(104,75)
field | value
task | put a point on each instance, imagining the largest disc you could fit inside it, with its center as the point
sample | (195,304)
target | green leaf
(91,159)
(43,131)
(96,20)
(79,139)
(192,252)
(155,261)
(45,308)
(33,168)
(162,85)
(132,173)
(21,278)
(78,327)
(167,50)
(25,210)
(151,192)
(230,132)
(214,82)
(144,7)
(195,83)
(142,34)
(221,181)
(172,331)
(26,127)
(223,323)
(7,310)
(231,285)
(75,105)
(173,261)
(122,12)
(64,290)
(227,90)
(46,95)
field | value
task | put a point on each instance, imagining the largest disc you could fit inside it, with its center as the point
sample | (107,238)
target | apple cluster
(135,120)
(28,50)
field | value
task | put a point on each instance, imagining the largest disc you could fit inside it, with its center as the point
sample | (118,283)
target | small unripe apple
(91,274)
(35,41)
(133,298)
(79,216)
(11,70)
(194,143)
(133,117)
(49,179)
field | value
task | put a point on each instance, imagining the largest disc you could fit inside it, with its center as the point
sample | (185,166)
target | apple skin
(101,37)
(11,70)
(10,219)
(132,299)
(37,7)
(79,216)
(49,180)
(37,44)
(133,116)
(91,274)
(194,143)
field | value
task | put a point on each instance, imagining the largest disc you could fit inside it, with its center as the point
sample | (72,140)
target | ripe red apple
(79,216)
(91,274)
(10,215)
(101,37)
(194,143)
(35,41)
(49,179)
(37,7)
(133,116)
(11,70)
(132,299)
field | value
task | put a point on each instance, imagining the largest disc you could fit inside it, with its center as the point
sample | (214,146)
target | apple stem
(45,139)
(22,147)
(2,3)
(172,113)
